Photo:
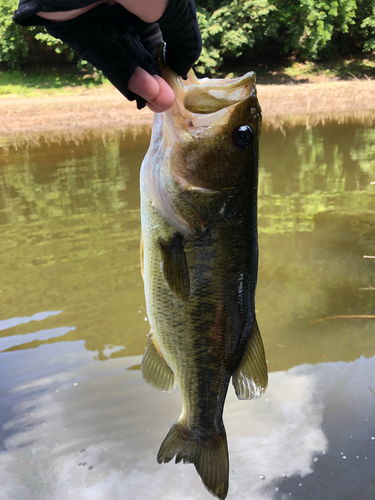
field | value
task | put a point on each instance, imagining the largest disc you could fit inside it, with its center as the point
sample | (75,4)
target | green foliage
(307,26)
(57,45)
(13,46)
(309,30)
(19,45)
(233,29)
(368,25)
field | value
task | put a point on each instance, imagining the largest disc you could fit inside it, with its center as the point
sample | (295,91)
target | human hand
(123,43)
(179,26)
(153,89)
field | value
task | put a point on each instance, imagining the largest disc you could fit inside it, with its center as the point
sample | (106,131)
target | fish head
(204,150)
(216,125)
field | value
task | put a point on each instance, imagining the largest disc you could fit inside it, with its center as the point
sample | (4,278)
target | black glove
(116,41)
(181,33)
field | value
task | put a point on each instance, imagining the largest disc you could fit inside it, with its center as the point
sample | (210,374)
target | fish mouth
(200,122)
(204,102)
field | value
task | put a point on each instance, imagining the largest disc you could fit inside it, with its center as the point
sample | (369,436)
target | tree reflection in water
(71,295)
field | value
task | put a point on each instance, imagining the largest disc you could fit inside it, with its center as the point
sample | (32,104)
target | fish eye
(243,137)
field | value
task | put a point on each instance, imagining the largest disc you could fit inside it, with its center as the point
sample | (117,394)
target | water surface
(77,421)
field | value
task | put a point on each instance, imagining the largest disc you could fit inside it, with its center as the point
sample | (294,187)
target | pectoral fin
(155,370)
(175,268)
(251,376)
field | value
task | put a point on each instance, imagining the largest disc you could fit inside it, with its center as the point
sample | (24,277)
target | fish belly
(203,337)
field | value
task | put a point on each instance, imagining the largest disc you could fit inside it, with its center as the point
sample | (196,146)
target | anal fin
(175,268)
(251,376)
(155,370)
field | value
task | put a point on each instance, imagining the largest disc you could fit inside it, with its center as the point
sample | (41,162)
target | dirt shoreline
(104,107)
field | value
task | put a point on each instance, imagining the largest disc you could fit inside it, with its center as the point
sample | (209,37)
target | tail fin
(208,454)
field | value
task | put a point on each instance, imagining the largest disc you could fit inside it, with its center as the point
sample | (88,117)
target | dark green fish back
(200,279)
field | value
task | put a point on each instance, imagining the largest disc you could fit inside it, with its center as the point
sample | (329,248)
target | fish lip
(169,75)
(194,112)
(195,97)
(222,93)
(168,181)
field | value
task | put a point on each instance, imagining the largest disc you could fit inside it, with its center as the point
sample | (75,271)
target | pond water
(76,419)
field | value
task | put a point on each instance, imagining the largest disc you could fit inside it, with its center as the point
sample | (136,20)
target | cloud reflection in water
(102,416)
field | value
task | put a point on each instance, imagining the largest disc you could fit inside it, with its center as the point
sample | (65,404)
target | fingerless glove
(181,33)
(111,39)
(116,41)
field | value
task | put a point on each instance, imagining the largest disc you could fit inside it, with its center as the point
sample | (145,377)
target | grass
(71,80)
(341,69)
(41,82)
(298,72)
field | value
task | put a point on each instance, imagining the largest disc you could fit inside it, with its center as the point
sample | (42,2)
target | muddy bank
(106,108)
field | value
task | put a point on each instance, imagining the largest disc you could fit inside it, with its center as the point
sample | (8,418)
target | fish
(198,184)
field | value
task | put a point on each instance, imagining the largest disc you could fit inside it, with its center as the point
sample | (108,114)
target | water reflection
(69,222)
(32,340)
(306,172)
(71,295)
(69,219)
(92,430)
(11,322)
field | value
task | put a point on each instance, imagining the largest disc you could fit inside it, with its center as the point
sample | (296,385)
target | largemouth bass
(199,225)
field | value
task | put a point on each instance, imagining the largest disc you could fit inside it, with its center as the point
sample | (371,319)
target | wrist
(150,11)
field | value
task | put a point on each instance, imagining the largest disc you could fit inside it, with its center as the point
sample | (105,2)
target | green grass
(65,81)
(55,81)
(293,71)
(343,69)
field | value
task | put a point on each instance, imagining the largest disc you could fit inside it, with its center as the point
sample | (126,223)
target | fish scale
(200,259)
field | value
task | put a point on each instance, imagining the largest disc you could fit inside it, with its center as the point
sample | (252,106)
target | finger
(143,84)
(165,99)
(153,89)
(154,108)
(97,37)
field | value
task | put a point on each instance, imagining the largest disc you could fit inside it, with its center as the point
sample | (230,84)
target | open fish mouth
(199,222)
(201,149)
(203,102)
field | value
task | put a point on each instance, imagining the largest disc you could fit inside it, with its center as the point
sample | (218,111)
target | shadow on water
(71,297)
